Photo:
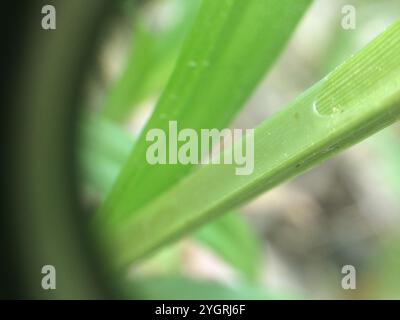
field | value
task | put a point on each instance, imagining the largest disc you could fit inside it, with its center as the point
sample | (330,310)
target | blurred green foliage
(151,60)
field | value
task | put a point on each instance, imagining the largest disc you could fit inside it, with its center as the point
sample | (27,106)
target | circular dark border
(41,221)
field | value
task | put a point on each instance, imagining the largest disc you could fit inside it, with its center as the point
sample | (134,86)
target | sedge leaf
(103,150)
(357,99)
(231,45)
(151,58)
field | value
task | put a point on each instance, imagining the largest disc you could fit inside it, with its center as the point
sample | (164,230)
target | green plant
(104,149)
(219,66)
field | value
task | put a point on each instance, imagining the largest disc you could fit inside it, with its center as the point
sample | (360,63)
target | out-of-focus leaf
(179,288)
(231,238)
(357,99)
(155,46)
(387,147)
(226,54)
(105,147)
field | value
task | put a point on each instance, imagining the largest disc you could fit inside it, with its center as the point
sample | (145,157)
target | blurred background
(290,243)
(298,236)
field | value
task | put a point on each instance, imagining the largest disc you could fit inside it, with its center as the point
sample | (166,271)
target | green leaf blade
(291,142)
(233,240)
(105,147)
(229,38)
(150,61)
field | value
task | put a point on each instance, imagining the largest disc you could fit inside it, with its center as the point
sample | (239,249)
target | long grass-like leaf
(356,100)
(232,44)
(151,59)
(103,150)
(232,239)
(180,288)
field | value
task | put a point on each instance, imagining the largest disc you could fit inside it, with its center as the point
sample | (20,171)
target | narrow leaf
(232,239)
(356,100)
(104,148)
(180,288)
(232,44)
(151,58)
